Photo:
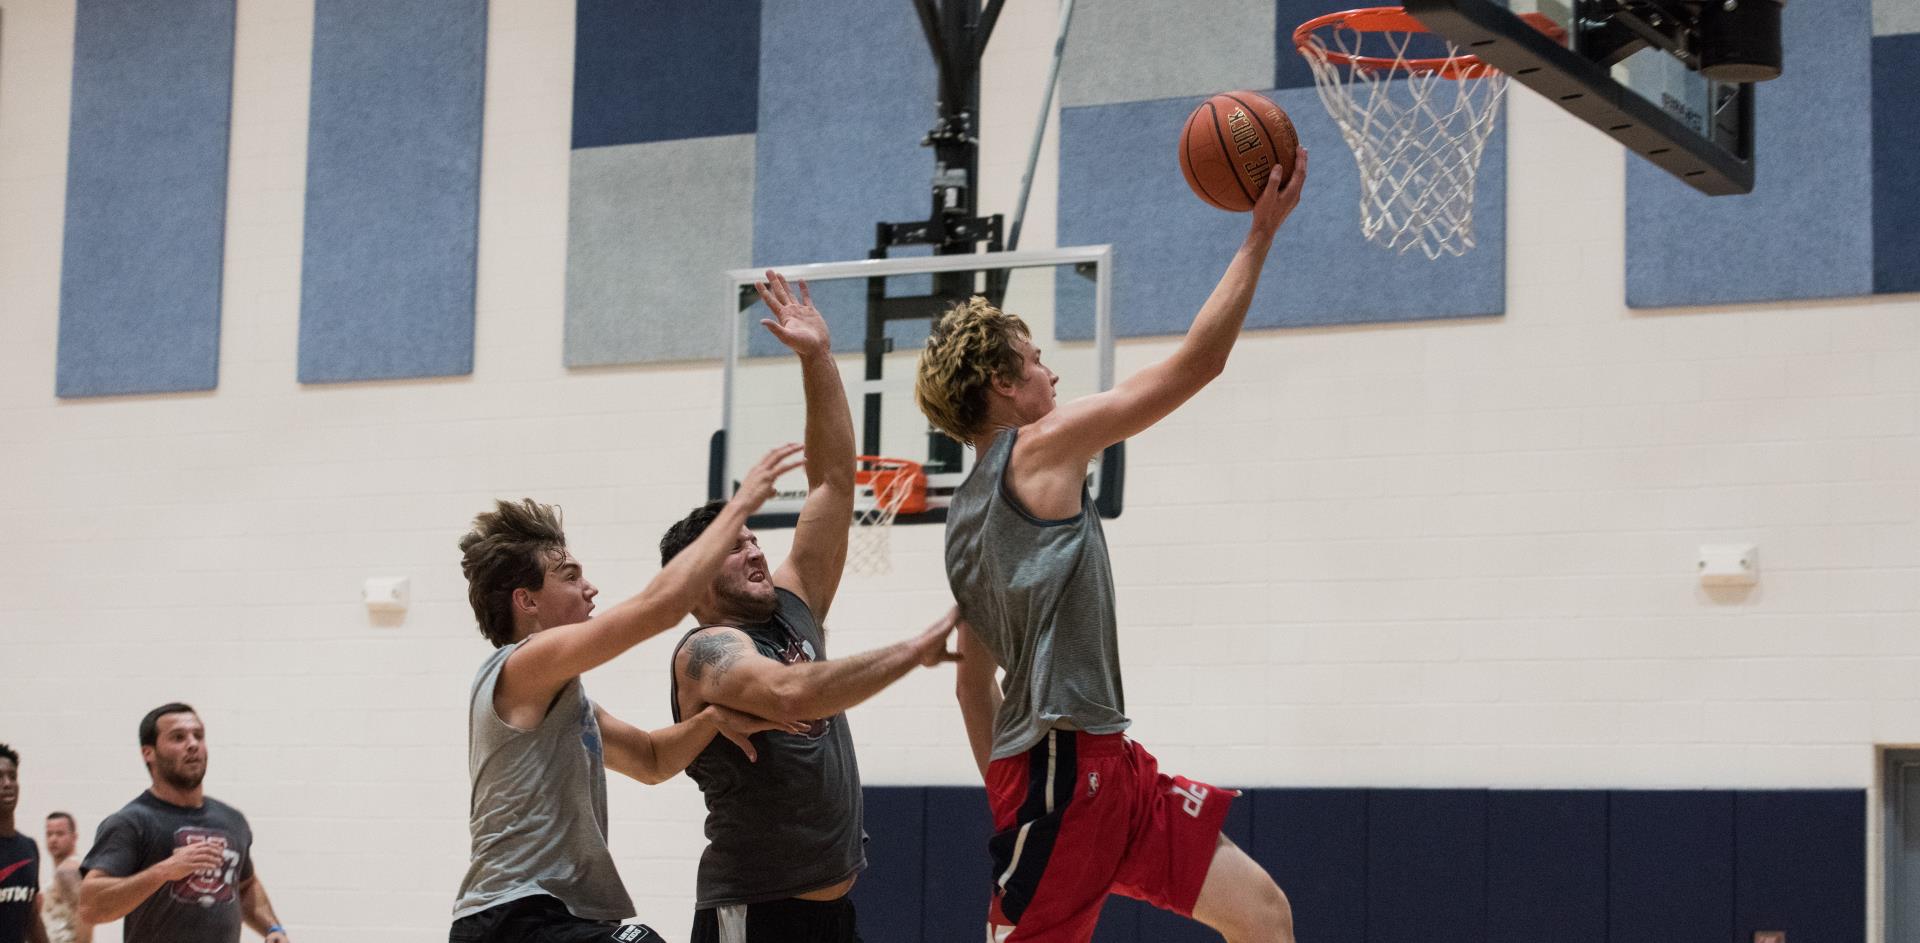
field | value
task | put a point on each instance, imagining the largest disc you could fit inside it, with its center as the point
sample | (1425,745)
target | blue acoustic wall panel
(1896,174)
(393,189)
(1314,843)
(662,70)
(887,898)
(1670,867)
(1546,866)
(1120,183)
(846,94)
(1800,865)
(1426,865)
(146,197)
(1804,231)
(959,872)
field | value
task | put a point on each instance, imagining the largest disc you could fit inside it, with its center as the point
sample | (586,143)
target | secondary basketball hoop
(1417,124)
(883,489)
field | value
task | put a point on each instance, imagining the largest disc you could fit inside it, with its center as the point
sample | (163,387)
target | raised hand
(740,727)
(796,322)
(933,641)
(1277,202)
(756,488)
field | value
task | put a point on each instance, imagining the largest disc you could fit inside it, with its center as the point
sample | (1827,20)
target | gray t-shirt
(1039,596)
(789,823)
(538,809)
(203,907)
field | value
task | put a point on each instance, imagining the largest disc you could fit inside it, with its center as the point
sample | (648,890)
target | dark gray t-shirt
(789,823)
(201,908)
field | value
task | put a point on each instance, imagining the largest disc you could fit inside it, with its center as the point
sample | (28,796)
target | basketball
(1230,143)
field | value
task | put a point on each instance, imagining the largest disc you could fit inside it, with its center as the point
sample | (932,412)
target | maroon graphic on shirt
(210,886)
(800,650)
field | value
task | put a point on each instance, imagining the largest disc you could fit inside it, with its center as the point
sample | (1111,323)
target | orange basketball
(1229,145)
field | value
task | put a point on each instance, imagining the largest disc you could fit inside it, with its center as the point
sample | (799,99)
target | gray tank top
(1039,595)
(538,811)
(789,823)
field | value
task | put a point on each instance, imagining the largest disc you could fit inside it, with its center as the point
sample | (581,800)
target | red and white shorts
(1084,815)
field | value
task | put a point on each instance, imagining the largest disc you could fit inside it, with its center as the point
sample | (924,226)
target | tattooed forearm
(712,650)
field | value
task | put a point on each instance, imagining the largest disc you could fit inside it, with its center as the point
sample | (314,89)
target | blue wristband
(276,928)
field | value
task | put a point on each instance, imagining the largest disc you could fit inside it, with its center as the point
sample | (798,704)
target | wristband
(276,928)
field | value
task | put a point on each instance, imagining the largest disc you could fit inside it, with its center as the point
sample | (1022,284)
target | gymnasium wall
(1432,555)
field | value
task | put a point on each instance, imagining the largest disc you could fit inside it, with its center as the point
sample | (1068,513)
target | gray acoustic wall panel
(1129,50)
(393,189)
(1120,183)
(1805,231)
(1895,16)
(650,228)
(146,197)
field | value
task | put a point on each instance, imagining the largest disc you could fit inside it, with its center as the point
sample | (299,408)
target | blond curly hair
(971,344)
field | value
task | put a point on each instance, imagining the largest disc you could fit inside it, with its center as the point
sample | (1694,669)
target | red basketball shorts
(1081,816)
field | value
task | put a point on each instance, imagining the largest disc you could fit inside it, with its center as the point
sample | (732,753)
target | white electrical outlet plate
(1729,564)
(387,593)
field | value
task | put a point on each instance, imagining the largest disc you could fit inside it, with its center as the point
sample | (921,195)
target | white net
(890,485)
(1417,127)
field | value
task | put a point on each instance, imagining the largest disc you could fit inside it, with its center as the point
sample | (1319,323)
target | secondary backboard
(1698,129)
(895,300)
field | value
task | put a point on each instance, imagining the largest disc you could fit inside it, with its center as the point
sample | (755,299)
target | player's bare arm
(544,664)
(812,569)
(720,666)
(105,898)
(257,911)
(1058,447)
(655,756)
(976,685)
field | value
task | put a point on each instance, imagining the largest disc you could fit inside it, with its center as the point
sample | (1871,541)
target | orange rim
(881,473)
(1398,20)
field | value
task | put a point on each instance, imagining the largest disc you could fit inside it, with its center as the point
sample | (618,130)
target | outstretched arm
(546,662)
(720,666)
(978,692)
(1074,433)
(812,569)
(656,756)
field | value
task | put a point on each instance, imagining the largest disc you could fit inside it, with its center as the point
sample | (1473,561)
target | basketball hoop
(1417,125)
(895,485)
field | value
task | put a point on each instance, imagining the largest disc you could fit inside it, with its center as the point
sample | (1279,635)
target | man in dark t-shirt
(175,863)
(19,863)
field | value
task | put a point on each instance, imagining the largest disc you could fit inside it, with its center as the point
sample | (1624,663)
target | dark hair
(688,529)
(150,724)
(6,753)
(509,548)
(62,815)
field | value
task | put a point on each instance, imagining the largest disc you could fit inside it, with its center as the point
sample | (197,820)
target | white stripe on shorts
(733,923)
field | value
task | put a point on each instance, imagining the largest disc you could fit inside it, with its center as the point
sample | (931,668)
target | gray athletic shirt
(1039,595)
(538,811)
(789,823)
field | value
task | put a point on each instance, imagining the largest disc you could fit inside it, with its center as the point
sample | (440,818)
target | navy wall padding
(888,897)
(1426,865)
(959,872)
(146,208)
(1802,232)
(1670,867)
(393,189)
(1120,183)
(869,111)
(1546,866)
(1314,843)
(662,70)
(1800,865)
(1896,174)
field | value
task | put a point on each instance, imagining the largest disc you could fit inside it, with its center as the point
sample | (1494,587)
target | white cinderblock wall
(1441,554)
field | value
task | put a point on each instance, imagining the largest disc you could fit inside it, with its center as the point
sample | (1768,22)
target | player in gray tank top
(1073,799)
(538,747)
(784,837)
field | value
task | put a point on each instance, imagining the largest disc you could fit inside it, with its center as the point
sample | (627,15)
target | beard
(179,776)
(747,605)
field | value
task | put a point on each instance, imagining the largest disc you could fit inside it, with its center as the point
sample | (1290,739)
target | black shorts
(778,921)
(543,919)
